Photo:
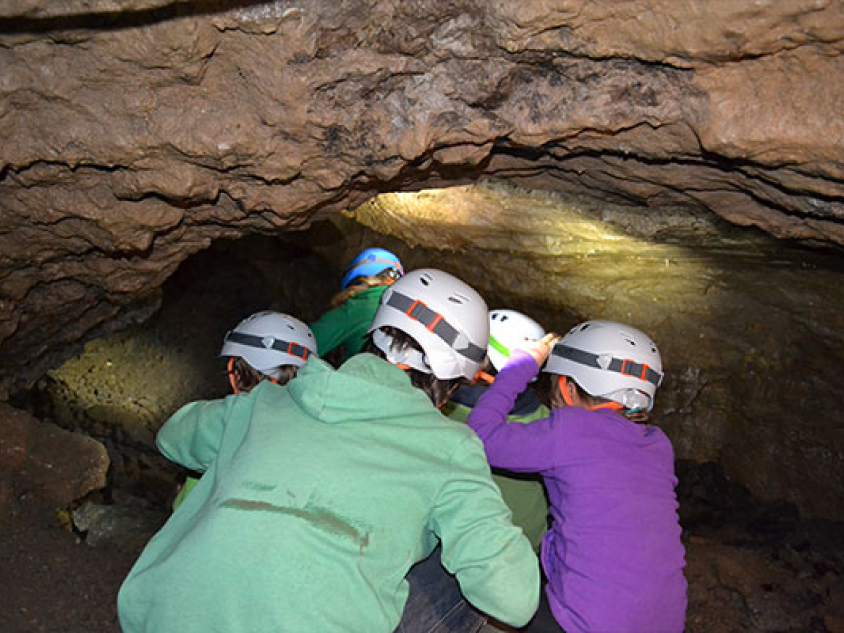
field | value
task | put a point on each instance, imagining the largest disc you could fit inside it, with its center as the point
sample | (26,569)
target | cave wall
(135,133)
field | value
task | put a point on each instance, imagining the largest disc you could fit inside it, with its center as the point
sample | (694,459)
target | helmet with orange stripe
(269,340)
(610,360)
(445,316)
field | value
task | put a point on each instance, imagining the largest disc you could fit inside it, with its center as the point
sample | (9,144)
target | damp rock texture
(136,133)
(751,332)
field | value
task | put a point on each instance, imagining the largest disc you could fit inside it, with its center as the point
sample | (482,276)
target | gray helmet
(610,360)
(446,316)
(267,340)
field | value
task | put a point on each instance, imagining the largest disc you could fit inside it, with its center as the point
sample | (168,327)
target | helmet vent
(458,299)
(629,340)
(426,279)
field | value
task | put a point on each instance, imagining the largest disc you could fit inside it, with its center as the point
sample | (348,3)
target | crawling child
(613,558)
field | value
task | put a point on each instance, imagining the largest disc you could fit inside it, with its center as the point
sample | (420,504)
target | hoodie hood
(364,388)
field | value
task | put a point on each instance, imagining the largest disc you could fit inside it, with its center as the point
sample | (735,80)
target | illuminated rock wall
(752,332)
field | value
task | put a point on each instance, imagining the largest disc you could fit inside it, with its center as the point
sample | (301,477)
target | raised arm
(520,447)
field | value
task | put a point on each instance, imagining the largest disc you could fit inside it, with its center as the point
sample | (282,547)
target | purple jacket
(613,557)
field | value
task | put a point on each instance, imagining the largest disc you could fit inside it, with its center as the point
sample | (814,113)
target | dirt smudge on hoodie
(321,518)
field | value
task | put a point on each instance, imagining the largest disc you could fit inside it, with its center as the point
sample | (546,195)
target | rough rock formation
(58,465)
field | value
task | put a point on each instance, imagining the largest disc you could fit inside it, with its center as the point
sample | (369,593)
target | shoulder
(369,297)
(463,445)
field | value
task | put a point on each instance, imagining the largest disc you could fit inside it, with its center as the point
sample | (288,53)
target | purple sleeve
(519,447)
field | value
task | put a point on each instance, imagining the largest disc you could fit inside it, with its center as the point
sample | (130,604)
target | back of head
(445,316)
(269,341)
(371,262)
(510,330)
(610,360)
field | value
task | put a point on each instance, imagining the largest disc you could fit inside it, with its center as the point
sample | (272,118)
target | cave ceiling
(136,133)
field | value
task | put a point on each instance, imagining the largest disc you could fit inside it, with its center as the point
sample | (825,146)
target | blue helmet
(370,262)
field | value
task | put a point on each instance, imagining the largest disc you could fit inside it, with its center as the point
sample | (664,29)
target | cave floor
(52,582)
(739,580)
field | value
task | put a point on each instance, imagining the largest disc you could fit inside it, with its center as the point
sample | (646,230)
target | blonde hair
(359,285)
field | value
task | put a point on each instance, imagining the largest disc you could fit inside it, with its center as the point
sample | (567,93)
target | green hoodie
(348,323)
(317,499)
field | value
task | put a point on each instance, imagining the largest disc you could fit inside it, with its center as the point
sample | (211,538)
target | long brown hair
(360,284)
(436,389)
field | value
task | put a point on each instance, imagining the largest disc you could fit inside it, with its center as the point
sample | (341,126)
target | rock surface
(751,332)
(42,459)
(136,133)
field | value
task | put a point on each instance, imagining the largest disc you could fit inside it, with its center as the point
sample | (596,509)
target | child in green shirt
(345,325)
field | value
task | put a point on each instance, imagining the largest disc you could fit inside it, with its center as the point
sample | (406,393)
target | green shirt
(348,323)
(524,493)
(317,498)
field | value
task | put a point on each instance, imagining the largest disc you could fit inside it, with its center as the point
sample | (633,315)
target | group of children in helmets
(351,500)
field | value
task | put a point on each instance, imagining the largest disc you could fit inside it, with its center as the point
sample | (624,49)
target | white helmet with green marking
(510,330)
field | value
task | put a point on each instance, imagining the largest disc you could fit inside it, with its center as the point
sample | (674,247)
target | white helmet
(267,340)
(447,317)
(509,330)
(610,360)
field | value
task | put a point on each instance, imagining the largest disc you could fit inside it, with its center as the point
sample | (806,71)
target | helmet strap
(564,391)
(483,377)
(232,374)
(612,406)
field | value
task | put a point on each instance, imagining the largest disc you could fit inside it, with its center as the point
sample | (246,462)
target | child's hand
(541,349)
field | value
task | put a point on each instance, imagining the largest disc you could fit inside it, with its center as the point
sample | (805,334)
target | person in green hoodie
(320,495)
(523,493)
(345,325)
(264,346)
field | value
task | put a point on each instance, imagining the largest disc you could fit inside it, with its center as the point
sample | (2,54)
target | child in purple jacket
(613,558)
